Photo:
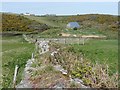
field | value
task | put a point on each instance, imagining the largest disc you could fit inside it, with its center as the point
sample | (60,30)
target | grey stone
(77,80)
(61,69)
(59,86)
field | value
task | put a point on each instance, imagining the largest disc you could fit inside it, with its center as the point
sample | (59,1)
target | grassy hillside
(13,22)
(52,21)
(90,24)
(87,20)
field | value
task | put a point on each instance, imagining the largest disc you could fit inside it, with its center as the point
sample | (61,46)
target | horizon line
(60,14)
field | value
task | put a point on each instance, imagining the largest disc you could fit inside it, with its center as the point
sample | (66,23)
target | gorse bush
(95,75)
(11,22)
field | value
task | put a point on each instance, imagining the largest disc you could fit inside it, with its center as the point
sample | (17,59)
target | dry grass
(93,75)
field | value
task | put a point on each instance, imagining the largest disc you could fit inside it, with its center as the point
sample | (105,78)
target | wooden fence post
(15,74)
(32,56)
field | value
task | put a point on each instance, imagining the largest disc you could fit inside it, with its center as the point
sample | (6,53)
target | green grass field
(15,51)
(101,51)
(50,21)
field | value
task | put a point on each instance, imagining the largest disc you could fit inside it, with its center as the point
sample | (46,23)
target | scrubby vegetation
(12,22)
(96,24)
(50,33)
(95,75)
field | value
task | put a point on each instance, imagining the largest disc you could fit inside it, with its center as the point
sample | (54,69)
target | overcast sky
(61,8)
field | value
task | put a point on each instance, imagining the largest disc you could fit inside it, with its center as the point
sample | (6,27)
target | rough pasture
(15,51)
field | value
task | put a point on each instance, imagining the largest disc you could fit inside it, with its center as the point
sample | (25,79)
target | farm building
(73,25)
